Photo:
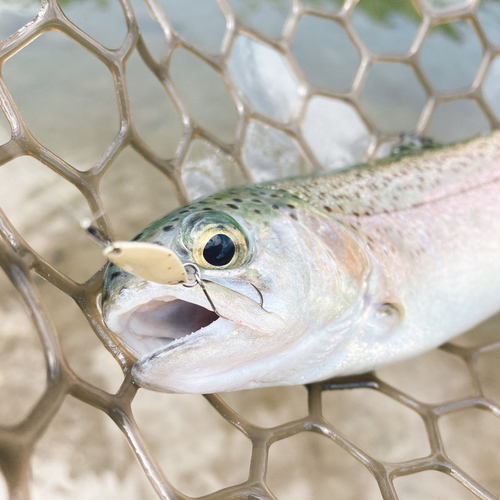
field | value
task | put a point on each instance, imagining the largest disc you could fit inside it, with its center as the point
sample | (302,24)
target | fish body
(355,269)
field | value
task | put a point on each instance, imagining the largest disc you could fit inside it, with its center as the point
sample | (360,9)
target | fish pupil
(219,250)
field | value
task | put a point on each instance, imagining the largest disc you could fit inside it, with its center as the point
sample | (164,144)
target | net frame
(20,262)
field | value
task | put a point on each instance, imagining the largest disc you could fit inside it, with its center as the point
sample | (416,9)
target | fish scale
(402,183)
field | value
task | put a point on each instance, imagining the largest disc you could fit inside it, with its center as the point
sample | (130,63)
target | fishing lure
(313,277)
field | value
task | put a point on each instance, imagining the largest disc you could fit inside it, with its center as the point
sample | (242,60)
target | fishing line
(260,295)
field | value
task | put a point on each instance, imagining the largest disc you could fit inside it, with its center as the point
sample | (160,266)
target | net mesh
(293,137)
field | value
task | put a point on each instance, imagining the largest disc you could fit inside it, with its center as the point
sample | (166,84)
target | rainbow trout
(314,277)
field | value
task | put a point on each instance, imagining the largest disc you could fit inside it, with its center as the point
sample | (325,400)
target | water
(268,17)
(442,57)
(264,78)
(73,109)
(312,47)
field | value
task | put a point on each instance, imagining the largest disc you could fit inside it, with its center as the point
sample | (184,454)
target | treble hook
(260,295)
(199,281)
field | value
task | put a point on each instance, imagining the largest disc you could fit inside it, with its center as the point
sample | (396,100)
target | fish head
(277,271)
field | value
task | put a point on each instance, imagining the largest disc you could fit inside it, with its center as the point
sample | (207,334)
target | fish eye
(215,241)
(219,250)
(220,247)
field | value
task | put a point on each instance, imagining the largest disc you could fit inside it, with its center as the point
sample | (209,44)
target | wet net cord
(20,262)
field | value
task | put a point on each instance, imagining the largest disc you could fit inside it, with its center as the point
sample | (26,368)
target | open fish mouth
(156,320)
(169,319)
(151,317)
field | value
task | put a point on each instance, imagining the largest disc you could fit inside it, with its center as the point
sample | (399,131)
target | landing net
(205,95)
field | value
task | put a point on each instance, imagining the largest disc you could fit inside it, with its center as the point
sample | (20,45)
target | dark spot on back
(168,228)
(183,212)
(115,275)
(293,216)
(257,211)
(274,196)
(237,200)
(327,208)
(256,201)
(230,205)
(207,209)
(138,237)
(276,207)
(290,206)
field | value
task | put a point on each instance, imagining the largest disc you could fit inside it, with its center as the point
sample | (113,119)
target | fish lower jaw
(160,322)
